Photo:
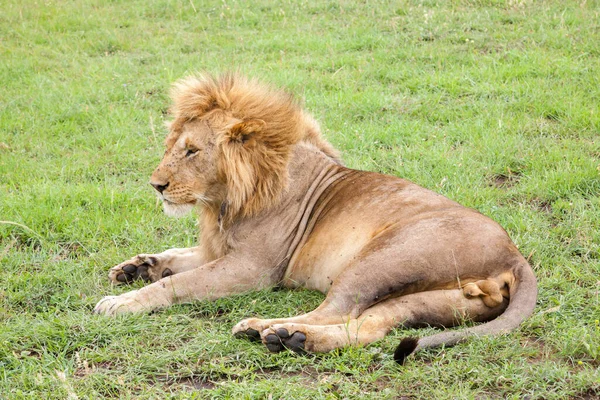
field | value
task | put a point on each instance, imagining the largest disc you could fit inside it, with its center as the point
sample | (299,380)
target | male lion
(277,208)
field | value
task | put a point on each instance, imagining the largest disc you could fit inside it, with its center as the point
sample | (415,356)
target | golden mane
(256,127)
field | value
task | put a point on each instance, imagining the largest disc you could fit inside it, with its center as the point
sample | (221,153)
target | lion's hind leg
(251,328)
(439,308)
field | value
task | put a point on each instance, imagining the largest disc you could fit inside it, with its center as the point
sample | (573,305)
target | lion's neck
(310,173)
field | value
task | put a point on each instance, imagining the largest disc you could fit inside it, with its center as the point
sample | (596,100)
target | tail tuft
(404,349)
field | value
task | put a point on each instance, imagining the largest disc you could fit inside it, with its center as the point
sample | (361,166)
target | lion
(277,207)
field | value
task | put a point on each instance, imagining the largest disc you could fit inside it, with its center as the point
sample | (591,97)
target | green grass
(495,104)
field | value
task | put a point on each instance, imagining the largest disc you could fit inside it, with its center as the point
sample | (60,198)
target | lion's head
(229,144)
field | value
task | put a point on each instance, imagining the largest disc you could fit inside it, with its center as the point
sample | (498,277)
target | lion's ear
(243,131)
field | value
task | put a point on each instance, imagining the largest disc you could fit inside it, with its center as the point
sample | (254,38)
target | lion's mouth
(164,199)
(174,203)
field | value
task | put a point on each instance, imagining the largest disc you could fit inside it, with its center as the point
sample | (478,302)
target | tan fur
(277,208)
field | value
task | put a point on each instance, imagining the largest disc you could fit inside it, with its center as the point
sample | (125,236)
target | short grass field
(495,104)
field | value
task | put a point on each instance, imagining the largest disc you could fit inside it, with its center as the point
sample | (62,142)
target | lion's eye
(190,151)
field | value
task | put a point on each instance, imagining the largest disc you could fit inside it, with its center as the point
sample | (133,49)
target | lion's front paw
(125,303)
(143,266)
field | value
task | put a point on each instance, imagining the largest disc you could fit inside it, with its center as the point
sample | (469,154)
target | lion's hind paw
(279,339)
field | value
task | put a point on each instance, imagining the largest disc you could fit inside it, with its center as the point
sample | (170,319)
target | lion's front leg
(152,267)
(223,277)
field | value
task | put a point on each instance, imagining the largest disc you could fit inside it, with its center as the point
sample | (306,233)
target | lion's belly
(324,255)
(348,217)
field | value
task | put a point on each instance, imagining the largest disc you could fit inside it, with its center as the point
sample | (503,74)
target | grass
(495,104)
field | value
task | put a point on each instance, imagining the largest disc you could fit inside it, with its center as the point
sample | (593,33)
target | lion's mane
(256,146)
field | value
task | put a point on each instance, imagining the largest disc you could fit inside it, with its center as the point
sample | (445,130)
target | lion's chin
(176,210)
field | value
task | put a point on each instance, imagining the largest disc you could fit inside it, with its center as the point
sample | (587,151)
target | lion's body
(278,208)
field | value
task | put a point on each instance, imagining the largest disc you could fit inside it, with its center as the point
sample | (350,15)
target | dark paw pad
(130,269)
(142,272)
(281,339)
(282,333)
(273,343)
(296,342)
(125,278)
(132,272)
(251,334)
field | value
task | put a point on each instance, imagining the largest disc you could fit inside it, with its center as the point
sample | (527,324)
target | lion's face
(187,174)
(230,142)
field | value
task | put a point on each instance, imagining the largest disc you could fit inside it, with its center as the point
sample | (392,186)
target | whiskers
(180,201)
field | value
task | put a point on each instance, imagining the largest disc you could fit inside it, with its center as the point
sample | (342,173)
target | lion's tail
(523,296)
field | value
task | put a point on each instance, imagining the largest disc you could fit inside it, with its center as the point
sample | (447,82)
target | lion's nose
(160,187)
